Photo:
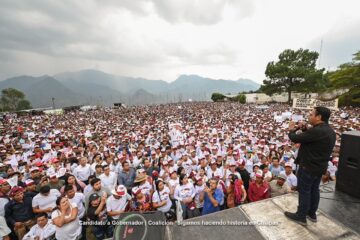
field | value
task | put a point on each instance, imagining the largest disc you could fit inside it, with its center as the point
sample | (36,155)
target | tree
(23,104)
(13,100)
(241,98)
(217,97)
(348,76)
(295,71)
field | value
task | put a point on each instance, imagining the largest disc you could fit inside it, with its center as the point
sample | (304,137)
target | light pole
(53,102)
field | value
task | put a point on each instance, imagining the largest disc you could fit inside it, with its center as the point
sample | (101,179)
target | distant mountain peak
(91,86)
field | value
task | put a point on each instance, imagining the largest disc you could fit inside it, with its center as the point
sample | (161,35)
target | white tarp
(262,107)
(278,118)
(286,115)
(297,118)
(54,111)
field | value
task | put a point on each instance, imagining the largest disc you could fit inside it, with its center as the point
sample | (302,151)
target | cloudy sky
(161,39)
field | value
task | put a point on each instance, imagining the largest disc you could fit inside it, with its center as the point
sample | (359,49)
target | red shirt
(257,193)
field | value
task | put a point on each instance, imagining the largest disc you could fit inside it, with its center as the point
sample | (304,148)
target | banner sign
(309,103)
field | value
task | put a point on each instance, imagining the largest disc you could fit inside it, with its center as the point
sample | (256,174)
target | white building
(260,98)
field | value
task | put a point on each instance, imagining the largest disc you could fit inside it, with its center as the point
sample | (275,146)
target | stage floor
(338,218)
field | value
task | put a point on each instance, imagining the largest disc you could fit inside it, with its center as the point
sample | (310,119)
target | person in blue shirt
(127,176)
(212,197)
(275,167)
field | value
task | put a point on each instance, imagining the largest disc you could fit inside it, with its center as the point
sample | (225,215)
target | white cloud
(161,39)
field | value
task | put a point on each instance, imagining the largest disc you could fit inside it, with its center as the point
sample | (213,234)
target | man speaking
(316,147)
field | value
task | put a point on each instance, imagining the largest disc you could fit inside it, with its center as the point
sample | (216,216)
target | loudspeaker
(140,226)
(348,176)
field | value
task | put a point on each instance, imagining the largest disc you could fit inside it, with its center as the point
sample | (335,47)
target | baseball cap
(140,171)
(15,190)
(93,197)
(55,160)
(259,173)
(119,191)
(282,176)
(155,174)
(53,175)
(3,181)
(29,182)
(172,170)
(39,164)
(242,161)
(34,169)
(136,190)
(198,178)
(217,175)
(288,164)
(232,163)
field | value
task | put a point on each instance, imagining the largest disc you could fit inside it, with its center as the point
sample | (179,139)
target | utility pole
(321,46)
(53,102)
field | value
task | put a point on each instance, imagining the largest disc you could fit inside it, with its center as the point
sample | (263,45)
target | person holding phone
(185,193)
(97,214)
(212,197)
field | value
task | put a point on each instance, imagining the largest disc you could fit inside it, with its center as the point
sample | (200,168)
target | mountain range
(91,87)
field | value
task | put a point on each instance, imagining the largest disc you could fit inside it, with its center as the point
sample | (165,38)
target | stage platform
(338,218)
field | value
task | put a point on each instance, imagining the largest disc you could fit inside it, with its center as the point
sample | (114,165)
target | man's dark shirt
(316,147)
(149,170)
(19,212)
(245,177)
(127,178)
(101,217)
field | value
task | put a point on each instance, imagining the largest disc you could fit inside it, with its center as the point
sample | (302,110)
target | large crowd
(65,176)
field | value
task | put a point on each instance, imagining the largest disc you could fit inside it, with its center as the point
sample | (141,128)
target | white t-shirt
(79,200)
(173,182)
(268,175)
(113,204)
(135,162)
(164,195)
(3,202)
(109,181)
(187,165)
(165,176)
(42,233)
(291,179)
(44,202)
(82,173)
(249,165)
(93,166)
(68,231)
(146,187)
(198,190)
(210,173)
(184,191)
(332,169)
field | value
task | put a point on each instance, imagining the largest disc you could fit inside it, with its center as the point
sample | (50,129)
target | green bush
(241,98)
(217,97)
(351,98)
